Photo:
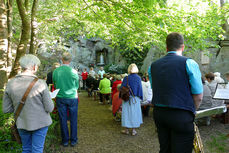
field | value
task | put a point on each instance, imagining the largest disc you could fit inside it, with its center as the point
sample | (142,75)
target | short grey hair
(133,68)
(28,61)
(67,56)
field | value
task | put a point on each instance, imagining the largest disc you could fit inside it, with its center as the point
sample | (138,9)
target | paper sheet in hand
(221,94)
(54,93)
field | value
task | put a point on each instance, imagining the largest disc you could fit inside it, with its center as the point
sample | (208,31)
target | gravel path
(99,133)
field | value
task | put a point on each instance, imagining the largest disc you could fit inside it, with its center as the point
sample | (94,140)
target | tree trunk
(21,49)
(3,43)
(10,33)
(26,4)
(33,42)
(225,25)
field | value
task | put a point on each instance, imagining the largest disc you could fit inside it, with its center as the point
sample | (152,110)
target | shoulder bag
(14,131)
(124,93)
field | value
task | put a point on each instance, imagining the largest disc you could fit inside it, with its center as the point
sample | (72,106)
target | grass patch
(218,143)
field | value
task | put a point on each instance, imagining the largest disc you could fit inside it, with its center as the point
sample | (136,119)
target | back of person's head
(28,61)
(210,76)
(118,77)
(174,41)
(217,74)
(66,56)
(55,65)
(218,79)
(203,80)
(132,68)
(90,75)
(105,75)
(97,77)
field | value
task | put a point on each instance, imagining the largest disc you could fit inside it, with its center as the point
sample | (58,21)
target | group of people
(34,119)
(173,86)
(91,75)
(210,81)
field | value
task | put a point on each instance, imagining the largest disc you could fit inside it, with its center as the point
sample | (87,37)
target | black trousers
(145,110)
(84,84)
(175,129)
(106,96)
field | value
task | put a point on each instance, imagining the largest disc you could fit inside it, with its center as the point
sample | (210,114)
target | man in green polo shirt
(66,79)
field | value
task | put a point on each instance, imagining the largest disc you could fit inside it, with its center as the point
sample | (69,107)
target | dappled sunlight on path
(99,133)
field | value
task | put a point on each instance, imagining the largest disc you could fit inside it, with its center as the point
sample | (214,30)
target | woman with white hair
(131,110)
(218,78)
(34,118)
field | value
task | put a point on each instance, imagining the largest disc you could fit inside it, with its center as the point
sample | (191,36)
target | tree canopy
(135,23)
(132,26)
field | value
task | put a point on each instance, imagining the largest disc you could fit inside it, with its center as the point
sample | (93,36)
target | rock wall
(85,50)
(219,62)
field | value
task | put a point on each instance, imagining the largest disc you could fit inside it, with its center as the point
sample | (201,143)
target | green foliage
(130,25)
(115,69)
(6,143)
(9,146)
(218,144)
(53,135)
(134,55)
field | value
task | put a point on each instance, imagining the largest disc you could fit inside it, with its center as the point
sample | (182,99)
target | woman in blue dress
(131,110)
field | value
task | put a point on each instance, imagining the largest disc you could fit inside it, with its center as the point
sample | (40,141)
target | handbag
(15,135)
(124,93)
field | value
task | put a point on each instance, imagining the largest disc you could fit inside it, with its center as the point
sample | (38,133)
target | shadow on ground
(99,133)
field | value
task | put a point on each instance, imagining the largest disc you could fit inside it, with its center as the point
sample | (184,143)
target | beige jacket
(35,113)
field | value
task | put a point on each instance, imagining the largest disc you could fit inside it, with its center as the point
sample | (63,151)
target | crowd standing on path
(173,86)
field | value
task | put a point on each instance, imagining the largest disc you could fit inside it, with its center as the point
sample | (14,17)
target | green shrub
(115,69)
(9,146)
(53,136)
(6,143)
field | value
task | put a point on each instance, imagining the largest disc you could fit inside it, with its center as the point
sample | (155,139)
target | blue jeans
(72,105)
(33,141)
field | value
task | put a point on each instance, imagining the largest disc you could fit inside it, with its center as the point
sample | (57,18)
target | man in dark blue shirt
(177,93)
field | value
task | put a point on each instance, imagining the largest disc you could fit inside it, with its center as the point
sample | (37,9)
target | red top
(114,87)
(116,102)
(84,75)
